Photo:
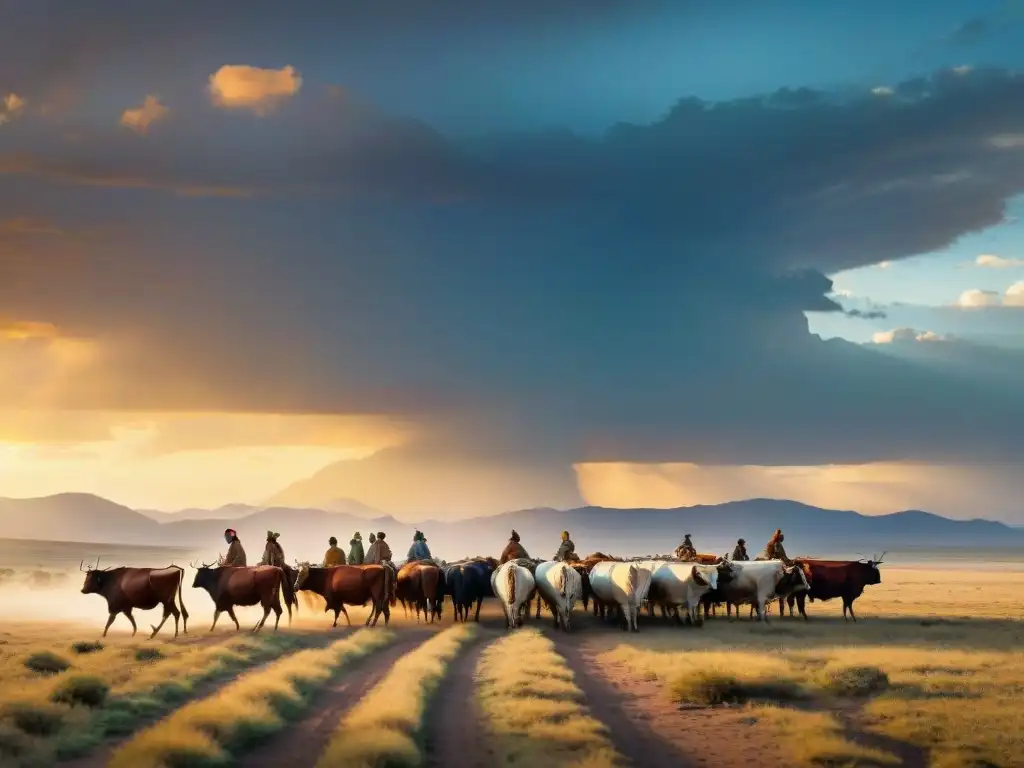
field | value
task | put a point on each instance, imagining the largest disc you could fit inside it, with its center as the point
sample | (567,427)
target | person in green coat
(355,554)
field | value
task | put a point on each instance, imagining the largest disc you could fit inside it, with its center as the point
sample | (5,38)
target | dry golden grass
(949,643)
(385,728)
(210,731)
(534,711)
(141,681)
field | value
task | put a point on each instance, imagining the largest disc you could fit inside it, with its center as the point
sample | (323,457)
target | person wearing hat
(740,553)
(379,551)
(513,550)
(774,550)
(355,552)
(236,555)
(566,550)
(419,549)
(273,553)
(334,555)
(686,551)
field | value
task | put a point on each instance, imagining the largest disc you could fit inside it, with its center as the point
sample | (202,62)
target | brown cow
(342,585)
(229,586)
(144,588)
(421,584)
(829,579)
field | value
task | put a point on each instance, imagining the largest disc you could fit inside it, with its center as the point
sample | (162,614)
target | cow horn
(81,566)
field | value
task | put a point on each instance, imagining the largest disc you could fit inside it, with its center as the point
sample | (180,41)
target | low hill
(226,512)
(304,532)
(75,517)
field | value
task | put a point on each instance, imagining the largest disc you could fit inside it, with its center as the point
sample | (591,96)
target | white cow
(560,586)
(682,585)
(513,585)
(758,581)
(624,585)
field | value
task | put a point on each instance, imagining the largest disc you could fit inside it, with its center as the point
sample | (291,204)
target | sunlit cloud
(20,330)
(991,261)
(239,86)
(140,118)
(975,297)
(898,335)
(1015,295)
(11,106)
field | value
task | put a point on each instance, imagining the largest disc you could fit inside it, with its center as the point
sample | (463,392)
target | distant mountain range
(304,532)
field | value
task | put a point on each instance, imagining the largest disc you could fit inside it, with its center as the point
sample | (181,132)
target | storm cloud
(637,295)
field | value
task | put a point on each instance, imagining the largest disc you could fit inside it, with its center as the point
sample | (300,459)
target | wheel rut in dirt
(100,756)
(301,743)
(634,739)
(454,727)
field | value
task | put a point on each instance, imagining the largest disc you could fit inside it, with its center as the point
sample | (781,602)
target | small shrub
(709,688)
(148,654)
(14,742)
(82,689)
(86,646)
(855,681)
(46,663)
(35,719)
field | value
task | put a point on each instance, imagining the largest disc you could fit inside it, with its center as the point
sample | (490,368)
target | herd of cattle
(616,588)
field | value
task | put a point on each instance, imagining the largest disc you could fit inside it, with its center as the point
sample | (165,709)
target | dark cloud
(637,296)
(971,32)
(869,314)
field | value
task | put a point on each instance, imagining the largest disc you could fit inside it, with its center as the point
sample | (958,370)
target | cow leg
(479,602)
(277,615)
(216,615)
(167,613)
(110,620)
(231,613)
(347,618)
(801,604)
(131,618)
(849,604)
(261,622)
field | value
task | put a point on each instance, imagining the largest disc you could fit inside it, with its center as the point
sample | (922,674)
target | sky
(630,254)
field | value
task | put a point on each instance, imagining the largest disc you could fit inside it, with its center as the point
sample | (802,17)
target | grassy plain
(931,675)
(533,710)
(386,727)
(936,662)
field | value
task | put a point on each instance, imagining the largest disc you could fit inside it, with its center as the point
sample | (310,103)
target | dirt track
(645,726)
(301,744)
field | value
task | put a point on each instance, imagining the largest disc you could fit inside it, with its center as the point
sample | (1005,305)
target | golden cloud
(11,107)
(20,330)
(239,86)
(141,117)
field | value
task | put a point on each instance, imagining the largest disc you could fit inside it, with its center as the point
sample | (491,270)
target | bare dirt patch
(302,742)
(637,724)
(454,729)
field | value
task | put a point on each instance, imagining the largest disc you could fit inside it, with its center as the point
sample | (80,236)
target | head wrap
(332,541)
(230,532)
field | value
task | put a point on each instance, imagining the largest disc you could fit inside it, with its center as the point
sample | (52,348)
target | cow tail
(563,580)
(181,600)
(510,584)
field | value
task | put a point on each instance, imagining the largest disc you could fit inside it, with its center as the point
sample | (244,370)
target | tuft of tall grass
(213,730)
(534,711)
(386,727)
